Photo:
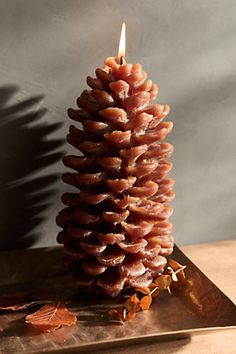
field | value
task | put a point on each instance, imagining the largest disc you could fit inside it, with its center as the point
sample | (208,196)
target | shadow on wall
(25,148)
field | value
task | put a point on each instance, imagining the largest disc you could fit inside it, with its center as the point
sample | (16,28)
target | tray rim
(164,336)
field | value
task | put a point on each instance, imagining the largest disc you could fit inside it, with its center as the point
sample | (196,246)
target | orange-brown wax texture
(115,226)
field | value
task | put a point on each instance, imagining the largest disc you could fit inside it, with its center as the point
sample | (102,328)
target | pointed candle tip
(121,51)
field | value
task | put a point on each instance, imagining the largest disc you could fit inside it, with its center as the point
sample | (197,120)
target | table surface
(217,260)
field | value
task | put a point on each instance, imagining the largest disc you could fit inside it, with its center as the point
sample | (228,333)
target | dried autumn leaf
(50,317)
(134,299)
(174,264)
(117,314)
(132,304)
(163,281)
(145,302)
(112,312)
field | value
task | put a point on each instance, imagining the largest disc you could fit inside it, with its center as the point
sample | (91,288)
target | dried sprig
(176,270)
(174,275)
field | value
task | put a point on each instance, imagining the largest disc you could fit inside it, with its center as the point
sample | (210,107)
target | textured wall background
(47,49)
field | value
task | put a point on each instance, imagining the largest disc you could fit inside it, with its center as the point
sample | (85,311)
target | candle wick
(122,60)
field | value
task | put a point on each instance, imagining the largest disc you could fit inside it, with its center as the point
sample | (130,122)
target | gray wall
(47,49)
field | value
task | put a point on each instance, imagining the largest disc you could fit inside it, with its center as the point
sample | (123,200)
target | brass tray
(198,306)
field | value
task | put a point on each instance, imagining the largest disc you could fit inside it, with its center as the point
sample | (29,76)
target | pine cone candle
(115,228)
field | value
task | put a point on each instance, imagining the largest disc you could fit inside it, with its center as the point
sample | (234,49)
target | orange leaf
(134,299)
(174,264)
(112,312)
(146,302)
(117,313)
(51,317)
(163,281)
(132,304)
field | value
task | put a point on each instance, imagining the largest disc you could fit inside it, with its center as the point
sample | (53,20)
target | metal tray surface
(198,306)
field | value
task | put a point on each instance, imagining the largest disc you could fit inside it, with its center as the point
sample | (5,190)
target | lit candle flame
(121,51)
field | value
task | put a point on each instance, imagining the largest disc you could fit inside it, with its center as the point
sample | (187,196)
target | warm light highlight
(121,51)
